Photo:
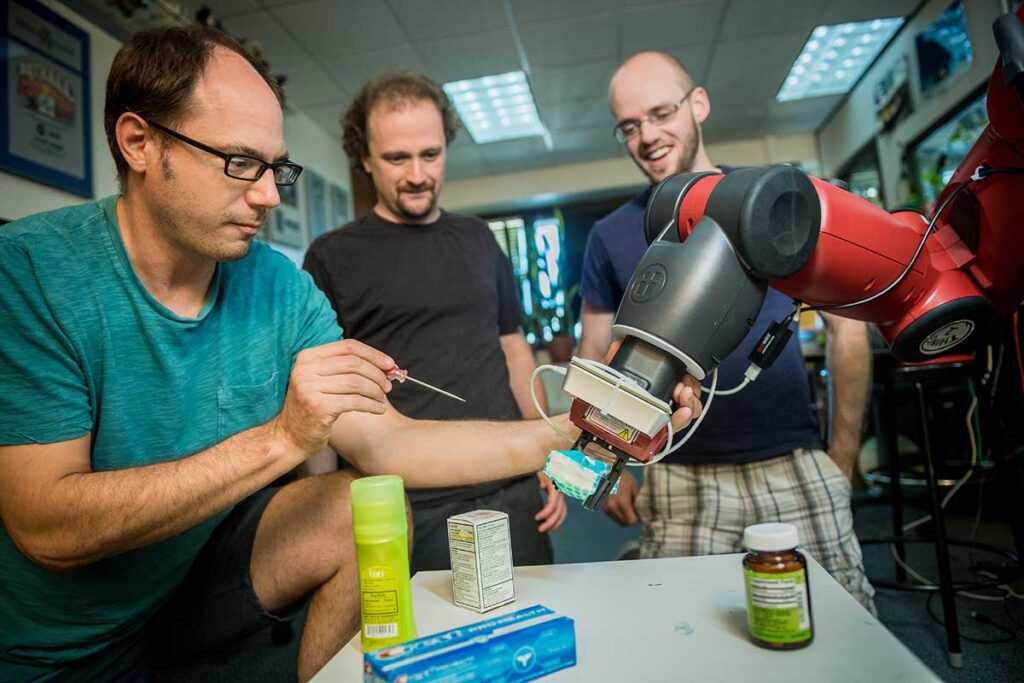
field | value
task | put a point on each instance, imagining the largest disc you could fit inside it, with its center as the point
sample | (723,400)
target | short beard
(405,212)
(689,152)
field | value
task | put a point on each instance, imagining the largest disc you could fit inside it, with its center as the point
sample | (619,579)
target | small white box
(481,552)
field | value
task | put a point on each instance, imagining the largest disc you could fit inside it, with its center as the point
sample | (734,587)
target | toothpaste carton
(481,554)
(520,646)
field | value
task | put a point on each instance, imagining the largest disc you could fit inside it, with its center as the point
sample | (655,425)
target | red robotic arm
(717,241)
(970,268)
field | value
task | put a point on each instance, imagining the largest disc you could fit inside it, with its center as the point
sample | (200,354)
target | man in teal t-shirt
(158,371)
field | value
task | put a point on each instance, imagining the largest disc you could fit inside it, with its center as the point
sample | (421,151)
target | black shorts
(213,607)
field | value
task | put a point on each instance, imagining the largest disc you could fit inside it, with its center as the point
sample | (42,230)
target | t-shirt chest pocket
(243,406)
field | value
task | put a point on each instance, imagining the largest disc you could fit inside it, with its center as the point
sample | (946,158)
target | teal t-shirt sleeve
(318,324)
(44,395)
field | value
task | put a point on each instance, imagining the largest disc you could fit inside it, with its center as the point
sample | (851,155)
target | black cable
(980,173)
(1009,615)
(978,617)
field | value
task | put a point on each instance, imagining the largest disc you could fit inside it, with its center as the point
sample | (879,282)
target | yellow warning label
(613,425)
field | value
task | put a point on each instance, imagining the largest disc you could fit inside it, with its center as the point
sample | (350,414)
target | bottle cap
(770,537)
(378,508)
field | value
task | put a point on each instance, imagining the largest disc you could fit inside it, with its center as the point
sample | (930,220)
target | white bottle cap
(770,537)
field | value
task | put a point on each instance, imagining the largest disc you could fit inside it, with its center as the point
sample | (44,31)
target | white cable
(669,448)
(1013,593)
(735,390)
(536,402)
(926,582)
(963,480)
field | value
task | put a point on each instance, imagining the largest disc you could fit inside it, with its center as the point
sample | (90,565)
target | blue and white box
(519,646)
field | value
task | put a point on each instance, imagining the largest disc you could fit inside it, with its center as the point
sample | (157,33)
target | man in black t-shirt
(435,292)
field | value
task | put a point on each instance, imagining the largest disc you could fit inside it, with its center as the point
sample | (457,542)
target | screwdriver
(396,374)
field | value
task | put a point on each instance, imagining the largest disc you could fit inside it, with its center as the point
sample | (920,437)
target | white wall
(308,144)
(479,194)
(855,124)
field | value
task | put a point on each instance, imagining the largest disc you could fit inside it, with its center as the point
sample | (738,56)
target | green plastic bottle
(382,551)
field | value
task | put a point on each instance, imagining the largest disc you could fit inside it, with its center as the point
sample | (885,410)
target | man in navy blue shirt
(757,457)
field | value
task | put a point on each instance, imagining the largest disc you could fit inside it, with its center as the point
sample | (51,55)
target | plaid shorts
(703,509)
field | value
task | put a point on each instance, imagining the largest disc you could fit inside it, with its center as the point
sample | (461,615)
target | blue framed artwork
(45,122)
(316,203)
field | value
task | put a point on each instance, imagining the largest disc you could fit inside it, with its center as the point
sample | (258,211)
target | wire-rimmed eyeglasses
(659,116)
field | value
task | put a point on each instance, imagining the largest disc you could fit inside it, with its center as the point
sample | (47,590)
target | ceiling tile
(658,28)
(353,71)
(308,83)
(579,156)
(734,123)
(327,115)
(441,18)
(527,150)
(531,11)
(756,17)
(696,59)
(570,42)
(450,59)
(279,48)
(328,28)
(842,11)
(463,159)
(569,114)
(733,81)
(462,148)
(589,80)
(801,116)
(598,139)
(222,9)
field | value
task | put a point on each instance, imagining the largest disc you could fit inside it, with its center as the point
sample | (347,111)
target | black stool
(920,377)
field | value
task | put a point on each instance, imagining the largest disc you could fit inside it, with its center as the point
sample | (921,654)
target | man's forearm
(849,363)
(95,515)
(434,453)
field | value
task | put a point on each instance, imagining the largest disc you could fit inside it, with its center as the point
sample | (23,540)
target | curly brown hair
(396,88)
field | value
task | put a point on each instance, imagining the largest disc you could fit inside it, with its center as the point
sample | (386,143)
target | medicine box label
(480,546)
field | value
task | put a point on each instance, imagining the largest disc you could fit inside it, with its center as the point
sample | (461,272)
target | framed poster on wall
(316,203)
(45,121)
(339,206)
(286,224)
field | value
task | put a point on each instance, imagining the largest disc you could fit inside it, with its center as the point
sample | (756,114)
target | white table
(672,620)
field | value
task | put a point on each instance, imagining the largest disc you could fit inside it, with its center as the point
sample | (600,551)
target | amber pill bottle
(778,593)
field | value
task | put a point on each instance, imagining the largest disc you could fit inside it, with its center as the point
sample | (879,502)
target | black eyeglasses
(241,166)
(630,128)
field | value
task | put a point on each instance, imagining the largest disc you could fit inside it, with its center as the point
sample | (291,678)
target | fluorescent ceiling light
(494,108)
(835,57)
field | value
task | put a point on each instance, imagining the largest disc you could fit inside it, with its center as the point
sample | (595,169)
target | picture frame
(316,203)
(287,228)
(340,212)
(45,120)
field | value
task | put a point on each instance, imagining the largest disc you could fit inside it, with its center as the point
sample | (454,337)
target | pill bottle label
(777,606)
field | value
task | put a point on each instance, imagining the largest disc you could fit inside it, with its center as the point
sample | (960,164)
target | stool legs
(941,548)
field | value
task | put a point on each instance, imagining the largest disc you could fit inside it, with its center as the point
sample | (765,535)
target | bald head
(651,65)
(658,112)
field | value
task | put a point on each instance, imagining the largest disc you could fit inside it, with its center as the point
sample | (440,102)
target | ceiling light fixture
(495,108)
(829,49)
